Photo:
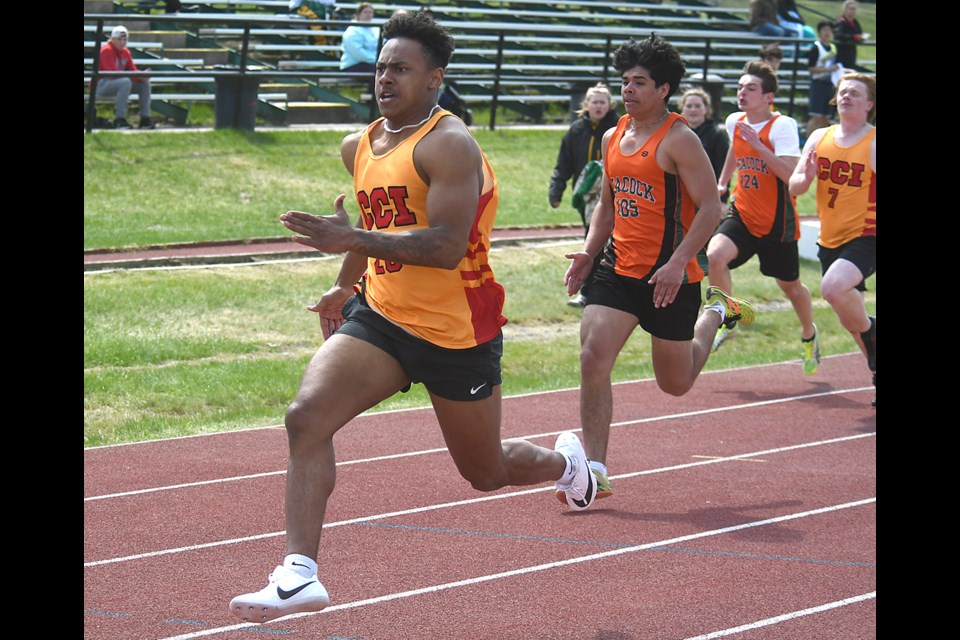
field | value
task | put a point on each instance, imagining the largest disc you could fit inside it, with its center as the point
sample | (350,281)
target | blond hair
(597,89)
(703,95)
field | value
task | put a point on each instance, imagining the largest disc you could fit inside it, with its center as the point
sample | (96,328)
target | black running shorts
(780,260)
(862,252)
(454,374)
(673,322)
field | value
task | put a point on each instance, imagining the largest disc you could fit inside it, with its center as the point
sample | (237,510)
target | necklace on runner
(411,126)
(634,126)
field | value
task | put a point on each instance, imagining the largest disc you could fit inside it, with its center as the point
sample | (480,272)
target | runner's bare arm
(451,206)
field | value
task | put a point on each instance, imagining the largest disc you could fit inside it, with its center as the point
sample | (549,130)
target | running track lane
(745,509)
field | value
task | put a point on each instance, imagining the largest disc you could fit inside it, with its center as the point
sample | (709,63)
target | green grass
(147,189)
(179,352)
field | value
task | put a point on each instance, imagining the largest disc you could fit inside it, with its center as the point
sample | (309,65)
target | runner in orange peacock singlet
(762,218)
(658,209)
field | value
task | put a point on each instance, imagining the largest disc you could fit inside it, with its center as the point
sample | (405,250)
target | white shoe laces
(276,573)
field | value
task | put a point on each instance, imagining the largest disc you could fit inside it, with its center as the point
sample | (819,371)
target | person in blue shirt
(359,43)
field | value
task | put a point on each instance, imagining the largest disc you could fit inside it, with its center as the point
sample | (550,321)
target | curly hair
(660,58)
(436,41)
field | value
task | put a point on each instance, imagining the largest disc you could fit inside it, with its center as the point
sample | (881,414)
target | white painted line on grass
(256,259)
(673,416)
(211,265)
(471,501)
(535,569)
(785,617)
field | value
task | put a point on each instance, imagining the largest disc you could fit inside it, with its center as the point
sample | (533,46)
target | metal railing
(713,42)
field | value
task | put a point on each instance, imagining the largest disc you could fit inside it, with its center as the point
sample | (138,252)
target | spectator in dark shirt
(580,146)
(764,19)
(822,65)
(788,15)
(847,34)
(696,108)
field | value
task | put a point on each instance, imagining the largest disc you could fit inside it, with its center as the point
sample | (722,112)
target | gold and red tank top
(846,190)
(762,199)
(452,308)
(652,210)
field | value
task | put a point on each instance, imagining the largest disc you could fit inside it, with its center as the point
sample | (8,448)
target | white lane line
(428,408)
(536,568)
(787,616)
(471,501)
(673,416)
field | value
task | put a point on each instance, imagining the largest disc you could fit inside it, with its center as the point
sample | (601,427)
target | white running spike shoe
(582,490)
(288,592)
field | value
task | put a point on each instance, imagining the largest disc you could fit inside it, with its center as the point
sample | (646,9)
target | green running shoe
(603,487)
(735,309)
(722,334)
(603,484)
(811,353)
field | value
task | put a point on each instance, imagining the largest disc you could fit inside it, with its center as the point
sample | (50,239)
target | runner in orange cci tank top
(428,310)
(842,160)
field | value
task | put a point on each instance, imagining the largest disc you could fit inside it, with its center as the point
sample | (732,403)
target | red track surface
(750,502)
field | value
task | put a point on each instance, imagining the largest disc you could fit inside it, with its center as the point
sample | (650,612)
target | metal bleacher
(530,59)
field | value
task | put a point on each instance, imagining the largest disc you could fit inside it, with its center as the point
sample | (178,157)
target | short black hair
(654,54)
(436,41)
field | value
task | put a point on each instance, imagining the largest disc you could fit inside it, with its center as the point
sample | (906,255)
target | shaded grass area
(180,352)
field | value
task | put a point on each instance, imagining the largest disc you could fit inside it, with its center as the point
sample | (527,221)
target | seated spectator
(847,34)
(114,56)
(763,19)
(359,43)
(822,64)
(788,16)
(314,10)
(695,107)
